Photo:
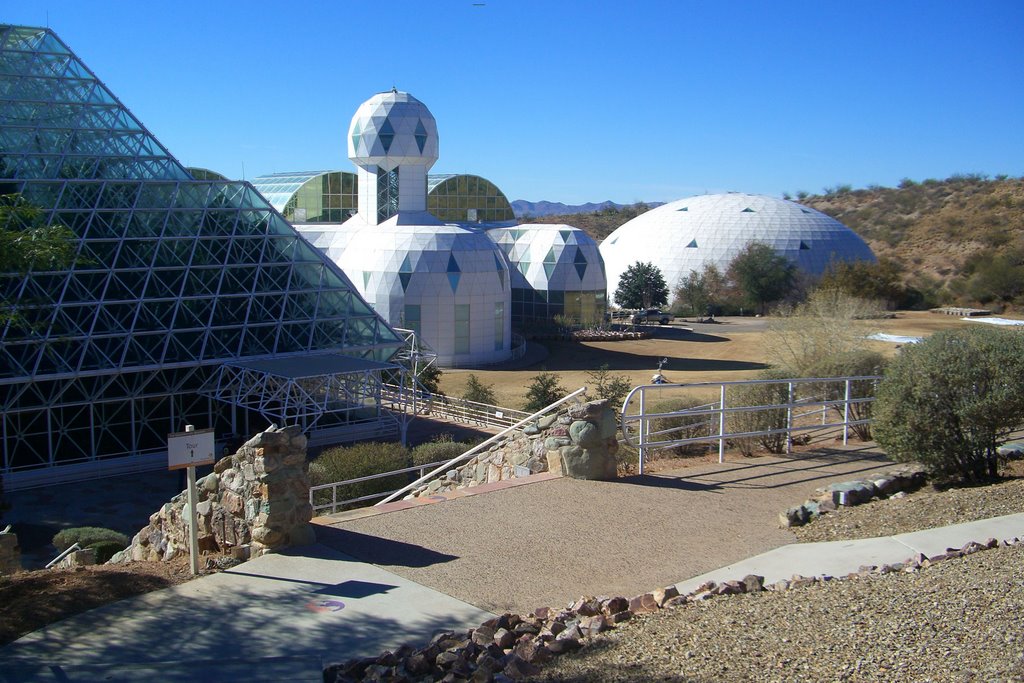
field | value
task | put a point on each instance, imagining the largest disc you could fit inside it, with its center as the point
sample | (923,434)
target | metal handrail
(484,444)
(722,410)
(460,409)
(335,503)
(68,551)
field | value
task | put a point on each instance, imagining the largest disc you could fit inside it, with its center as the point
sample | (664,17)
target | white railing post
(644,431)
(846,414)
(721,426)
(789,418)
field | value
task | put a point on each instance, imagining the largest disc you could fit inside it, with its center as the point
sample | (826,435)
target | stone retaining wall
(254,502)
(10,553)
(578,441)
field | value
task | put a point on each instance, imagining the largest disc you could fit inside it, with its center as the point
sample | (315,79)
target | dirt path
(549,542)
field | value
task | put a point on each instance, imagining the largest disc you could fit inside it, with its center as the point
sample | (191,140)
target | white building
(681,236)
(448,282)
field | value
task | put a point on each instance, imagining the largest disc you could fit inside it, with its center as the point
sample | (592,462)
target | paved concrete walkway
(277,617)
(839,558)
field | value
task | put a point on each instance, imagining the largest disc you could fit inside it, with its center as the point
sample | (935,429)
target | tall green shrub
(359,460)
(544,390)
(437,450)
(85,536)
(949,401)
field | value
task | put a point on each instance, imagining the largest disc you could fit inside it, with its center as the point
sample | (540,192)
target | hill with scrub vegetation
(958,240)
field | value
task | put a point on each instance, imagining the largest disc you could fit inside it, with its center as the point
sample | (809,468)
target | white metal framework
(173,277)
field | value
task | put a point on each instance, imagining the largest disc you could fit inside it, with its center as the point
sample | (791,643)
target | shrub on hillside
(949,401)
(478,392)
(359,460)
(765,419)
(85,536)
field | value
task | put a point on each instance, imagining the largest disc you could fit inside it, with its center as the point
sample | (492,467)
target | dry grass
(720,355)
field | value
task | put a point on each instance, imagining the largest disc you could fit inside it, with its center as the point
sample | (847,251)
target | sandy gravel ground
(958,620)
(550,542)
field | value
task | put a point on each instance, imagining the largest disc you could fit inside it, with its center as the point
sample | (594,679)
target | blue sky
(577,101)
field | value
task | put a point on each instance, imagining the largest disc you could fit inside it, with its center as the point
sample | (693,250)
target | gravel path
(550,542)
(958,620)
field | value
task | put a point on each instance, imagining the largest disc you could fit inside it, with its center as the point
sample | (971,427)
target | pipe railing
(636,427)
(482,445)
(334,486)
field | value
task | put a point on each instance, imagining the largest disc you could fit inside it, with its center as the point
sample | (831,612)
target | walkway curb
(839,558)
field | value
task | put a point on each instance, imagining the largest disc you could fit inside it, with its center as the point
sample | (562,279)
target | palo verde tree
(641,286)
(949,401)
(762,275)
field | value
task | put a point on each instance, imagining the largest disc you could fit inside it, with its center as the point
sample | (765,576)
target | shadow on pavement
(378,550)
(667,482)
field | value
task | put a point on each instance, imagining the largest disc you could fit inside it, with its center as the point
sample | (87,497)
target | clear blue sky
(577,101)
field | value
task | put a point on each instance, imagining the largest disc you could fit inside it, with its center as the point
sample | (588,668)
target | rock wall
(890,484)
(254,502)
(579,441)
(10,553)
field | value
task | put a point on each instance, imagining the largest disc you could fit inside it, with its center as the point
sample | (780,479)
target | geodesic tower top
(393,129)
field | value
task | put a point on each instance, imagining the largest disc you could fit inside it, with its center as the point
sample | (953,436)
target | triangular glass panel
(453,265)
(386,135)
(420,135)
(692,244)
(404,278)
(747,210)
(685,208)
(453,280)
(803,245)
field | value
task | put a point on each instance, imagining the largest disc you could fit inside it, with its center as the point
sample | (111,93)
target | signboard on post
(190,449)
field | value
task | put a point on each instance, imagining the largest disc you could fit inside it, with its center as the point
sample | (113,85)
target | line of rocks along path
(549,542)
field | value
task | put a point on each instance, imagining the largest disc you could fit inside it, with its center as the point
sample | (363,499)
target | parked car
(651,315)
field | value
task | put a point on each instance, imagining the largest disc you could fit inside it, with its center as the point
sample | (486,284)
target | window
(387,194)
(461,328)
(411,317)
(499,326)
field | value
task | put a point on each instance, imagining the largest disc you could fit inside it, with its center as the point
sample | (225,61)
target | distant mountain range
(542,208)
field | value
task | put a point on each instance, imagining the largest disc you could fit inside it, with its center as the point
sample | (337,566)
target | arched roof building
(683,235)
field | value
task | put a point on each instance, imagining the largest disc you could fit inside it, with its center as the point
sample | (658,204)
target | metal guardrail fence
(455,409)
(333,487)
(806,406)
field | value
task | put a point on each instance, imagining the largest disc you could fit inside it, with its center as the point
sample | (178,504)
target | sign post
(189,449)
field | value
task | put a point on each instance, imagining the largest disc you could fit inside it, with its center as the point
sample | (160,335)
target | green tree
(950,401)
(641,286)
(762,275)
(27,243)
(430,379)
(544,390)
(701,289)
(478,392)
(865,280)
(609,386)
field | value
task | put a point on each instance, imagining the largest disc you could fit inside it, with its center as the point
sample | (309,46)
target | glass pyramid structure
(174,277)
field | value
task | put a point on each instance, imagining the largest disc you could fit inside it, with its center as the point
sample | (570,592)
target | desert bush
(85,536)
(359,460)
(759,420)
(681,426)
(857,363)
(441,448)
(949,401)
(106,549)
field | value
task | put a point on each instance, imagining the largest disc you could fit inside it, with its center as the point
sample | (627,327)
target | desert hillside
(959,240)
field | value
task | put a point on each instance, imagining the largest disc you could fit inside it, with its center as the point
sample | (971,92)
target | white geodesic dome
(683,235)
(548,256)
(393,129)
(448,283)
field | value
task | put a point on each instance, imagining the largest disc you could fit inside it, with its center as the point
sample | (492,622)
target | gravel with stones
(924,509)
(958,620)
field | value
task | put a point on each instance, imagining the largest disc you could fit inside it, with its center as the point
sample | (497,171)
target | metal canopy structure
(331,396)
